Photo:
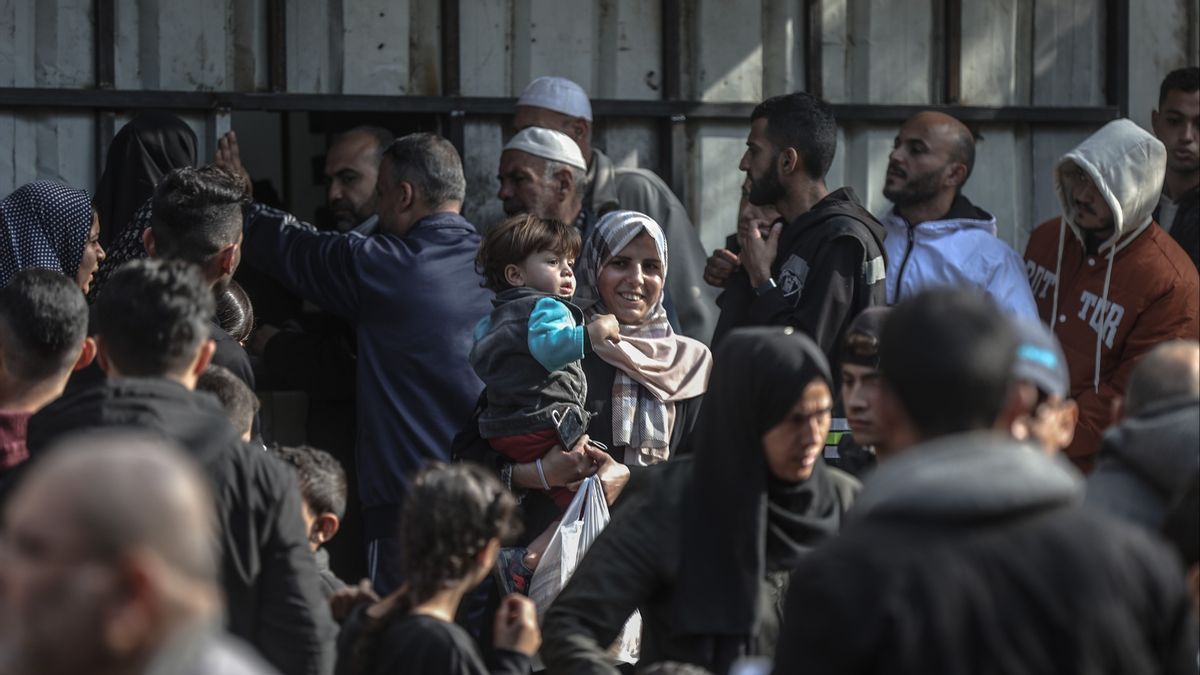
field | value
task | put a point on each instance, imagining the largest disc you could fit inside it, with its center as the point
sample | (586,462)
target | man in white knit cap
(560,104)
(542,173)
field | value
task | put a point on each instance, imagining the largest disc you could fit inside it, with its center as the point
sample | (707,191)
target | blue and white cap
(1040,358)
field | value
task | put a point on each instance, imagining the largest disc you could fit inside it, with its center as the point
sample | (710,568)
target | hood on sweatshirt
(965,478)
(1127,165)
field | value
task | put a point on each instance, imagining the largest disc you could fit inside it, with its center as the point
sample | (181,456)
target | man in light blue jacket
(935,235)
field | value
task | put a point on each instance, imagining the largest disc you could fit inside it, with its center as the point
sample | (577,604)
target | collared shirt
(1167,208)
(367,227)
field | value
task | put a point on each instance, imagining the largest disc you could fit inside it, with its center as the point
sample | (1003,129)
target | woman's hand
(613,475)
(564,468)
(604,327)
(516,627)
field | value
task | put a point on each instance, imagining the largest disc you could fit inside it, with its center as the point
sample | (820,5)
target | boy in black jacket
(153,344)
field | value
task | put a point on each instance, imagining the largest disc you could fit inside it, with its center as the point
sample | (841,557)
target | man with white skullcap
(560,104)
(542,172)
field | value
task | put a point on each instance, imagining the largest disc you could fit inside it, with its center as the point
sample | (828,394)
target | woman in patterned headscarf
(51,226)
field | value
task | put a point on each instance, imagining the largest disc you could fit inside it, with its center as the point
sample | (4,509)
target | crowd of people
(838,444)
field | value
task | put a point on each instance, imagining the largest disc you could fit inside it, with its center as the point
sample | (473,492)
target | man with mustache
(351,169)
(542,172)
(935,235)
(1177,124)
(821,263)
(1109,281)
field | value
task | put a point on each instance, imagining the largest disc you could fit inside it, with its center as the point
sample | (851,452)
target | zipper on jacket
(903,263)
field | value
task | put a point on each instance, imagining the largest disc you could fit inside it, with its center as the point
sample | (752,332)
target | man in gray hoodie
(967,547)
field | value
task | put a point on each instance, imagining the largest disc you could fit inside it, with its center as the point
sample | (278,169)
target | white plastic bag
(582,522)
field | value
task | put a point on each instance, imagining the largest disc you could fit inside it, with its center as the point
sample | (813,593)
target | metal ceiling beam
(109,99)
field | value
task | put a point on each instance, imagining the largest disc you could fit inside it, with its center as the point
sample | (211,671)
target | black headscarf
(741,520)
(142,152)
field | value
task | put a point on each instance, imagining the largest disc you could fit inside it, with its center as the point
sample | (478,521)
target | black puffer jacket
(272,592)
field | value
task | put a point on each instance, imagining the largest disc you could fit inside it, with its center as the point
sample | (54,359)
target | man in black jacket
(967,550)
(153,344)
(822,262)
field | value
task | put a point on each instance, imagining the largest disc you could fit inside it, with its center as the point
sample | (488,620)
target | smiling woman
(643,391)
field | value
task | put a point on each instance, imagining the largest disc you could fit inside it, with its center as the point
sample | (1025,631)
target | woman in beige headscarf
(643,392)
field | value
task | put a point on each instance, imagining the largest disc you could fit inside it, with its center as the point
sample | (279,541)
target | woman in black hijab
(142,152)
(703,546)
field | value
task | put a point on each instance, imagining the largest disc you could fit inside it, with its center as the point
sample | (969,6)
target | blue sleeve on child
(482,328)
(554,339)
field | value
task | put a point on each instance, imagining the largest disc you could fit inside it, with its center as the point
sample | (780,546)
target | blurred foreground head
(109,552)
(946,357)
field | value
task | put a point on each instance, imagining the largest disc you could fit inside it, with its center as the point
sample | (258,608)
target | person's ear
(486,558)
(789,161)
(148,242)
(325,527)
(564,184)
(406,196)
(131,617)
(102,356)
(1019,401)
(226,260)
(204,356)
(87,354)
(956,175)
(514,276)
(579,129)
(1064,425)
(1154,121)
(899,432)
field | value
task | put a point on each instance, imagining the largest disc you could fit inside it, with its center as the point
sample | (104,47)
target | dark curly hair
(451,513)
(322,478)
(517,238)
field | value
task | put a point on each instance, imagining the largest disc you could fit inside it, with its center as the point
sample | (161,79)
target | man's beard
(916,189)
(346,217)
(768,190)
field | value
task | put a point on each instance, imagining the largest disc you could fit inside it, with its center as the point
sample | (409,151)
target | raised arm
(318,266)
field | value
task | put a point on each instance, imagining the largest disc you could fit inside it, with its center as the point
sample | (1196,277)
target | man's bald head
(123,492)
(111,549)
(1170,371)
(959,139)
(933,153)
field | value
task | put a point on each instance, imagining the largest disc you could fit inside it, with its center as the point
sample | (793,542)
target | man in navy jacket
(414,296)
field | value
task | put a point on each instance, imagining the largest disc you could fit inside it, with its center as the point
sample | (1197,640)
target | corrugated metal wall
(1013,53)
